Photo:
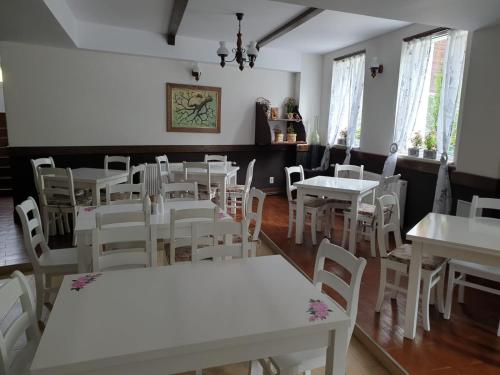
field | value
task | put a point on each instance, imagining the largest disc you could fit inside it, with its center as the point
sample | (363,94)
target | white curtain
(390,163)
(450,99)
(355,94)
(340,83)
(414,61)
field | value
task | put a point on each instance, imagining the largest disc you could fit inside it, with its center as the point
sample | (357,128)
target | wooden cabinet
(264,128)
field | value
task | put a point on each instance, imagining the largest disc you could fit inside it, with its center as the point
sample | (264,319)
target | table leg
(336,353)
(414,276)
(299,217)
(96,196)
(83,251)
(223,194)
(354,224)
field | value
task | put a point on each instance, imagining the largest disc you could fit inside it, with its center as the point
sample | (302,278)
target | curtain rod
(426,33)
(349,55)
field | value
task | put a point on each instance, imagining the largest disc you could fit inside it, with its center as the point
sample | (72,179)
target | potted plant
(416,143)
(290,105)
(278,135)
(291,134)
(342,139)
(430,145)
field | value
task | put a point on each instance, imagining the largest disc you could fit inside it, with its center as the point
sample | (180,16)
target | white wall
(63,97)
(310,88)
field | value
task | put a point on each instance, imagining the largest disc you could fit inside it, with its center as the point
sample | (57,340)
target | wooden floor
(466,344)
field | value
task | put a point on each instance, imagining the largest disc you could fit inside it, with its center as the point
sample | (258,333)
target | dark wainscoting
(421,177)
(270,160)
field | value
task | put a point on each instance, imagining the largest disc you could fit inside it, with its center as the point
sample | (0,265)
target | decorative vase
(341,141)
(430,154)
(291,137)
(278,137)
(413,151)
(290,116)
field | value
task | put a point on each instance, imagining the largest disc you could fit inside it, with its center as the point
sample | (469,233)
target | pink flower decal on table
(318,310)
(83,281)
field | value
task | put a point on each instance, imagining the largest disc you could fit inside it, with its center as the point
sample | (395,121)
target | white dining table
(167,320)
(346,189)
(471,239)
(221,173)
(160,223)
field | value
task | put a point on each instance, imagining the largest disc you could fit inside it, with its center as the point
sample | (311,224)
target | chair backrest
(128,237)
(353,265)
(209,158)
(180,191)
(349,171)
(163,169)
(249,176)
(33,237)
(24,323)
(125,160)
(125,193)
(39,163)
(389,185)
(62,189)
(140,170)
(289,171)
(201,169)
(216,230)
(477,205)
(252,215)
(388,221)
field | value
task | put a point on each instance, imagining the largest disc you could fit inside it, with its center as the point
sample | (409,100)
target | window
(346,100)
(426,60)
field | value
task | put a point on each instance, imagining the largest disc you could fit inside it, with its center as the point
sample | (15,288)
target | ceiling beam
(175,20)
(289,26)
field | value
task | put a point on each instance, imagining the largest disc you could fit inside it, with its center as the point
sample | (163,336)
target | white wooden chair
(49,263)
(15,360)
(180,191)
(140,171)
(35,165)
(125,193)
(220,158)
(349,171)
(254,217)
(163,170)
(317,208)
(237,195)
(200,172)
(366,214)
(123,240)
(398,260)
(463,268)
(125,160)
(216,230)
(295,363)
(180,227)
(59,200)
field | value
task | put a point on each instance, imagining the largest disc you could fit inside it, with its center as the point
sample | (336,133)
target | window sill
(424,160)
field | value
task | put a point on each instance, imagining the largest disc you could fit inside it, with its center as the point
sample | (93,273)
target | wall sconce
(196,71)
(375,67)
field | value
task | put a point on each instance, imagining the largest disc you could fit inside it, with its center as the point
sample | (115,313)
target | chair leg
(60,226)
(66,223)
(74,228)
(40,292)
(373,251)
(46,224)
(314,218)
(449,293)
(382,285)
(461,290)
(345,231)
(397,282)
(172,253)
(290,221)
(426,295)
(440,290)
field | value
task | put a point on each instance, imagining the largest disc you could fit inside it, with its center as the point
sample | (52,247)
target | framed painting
(193,108)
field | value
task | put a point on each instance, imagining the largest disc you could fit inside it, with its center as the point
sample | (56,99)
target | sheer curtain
(414,61)
(450,99)
(355,94)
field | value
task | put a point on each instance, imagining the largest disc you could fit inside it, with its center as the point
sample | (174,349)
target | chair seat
(402,254)
(235,189)
(475,269)
(296,363)
(64,201)
(59,257)
(313,201)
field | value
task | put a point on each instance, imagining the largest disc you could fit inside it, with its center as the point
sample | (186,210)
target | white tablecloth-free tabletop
(166,320)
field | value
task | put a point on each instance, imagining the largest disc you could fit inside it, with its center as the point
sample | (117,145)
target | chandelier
(241,55)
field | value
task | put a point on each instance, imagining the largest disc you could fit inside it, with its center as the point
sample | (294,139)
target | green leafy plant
(416,140)
(290,104)
(430,141)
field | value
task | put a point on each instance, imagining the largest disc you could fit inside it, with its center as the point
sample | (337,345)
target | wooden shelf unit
(264,134)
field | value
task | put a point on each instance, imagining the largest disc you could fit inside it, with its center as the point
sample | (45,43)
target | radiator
(402,186)
(151,180)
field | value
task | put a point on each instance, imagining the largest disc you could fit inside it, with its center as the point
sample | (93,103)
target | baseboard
(385,359)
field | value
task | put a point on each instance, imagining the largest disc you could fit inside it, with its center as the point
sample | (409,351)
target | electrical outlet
(271,180)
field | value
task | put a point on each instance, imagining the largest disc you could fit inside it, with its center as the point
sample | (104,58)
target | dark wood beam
(289,26)
(175,20)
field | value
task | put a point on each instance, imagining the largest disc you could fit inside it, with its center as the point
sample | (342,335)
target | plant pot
(413,151)
(291,137)
(341,141)
(278,137)
(290,116)
(430,154)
